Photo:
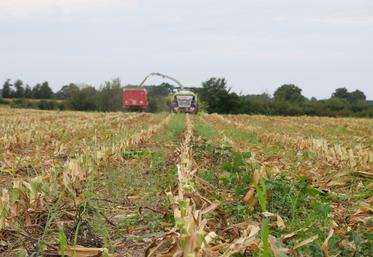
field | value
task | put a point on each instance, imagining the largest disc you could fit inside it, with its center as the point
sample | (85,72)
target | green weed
(63,242)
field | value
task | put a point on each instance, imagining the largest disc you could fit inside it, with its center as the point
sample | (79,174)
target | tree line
(215,96)
(19,90)
(287,100)
(69,97)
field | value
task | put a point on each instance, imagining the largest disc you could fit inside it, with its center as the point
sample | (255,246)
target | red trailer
(135,99)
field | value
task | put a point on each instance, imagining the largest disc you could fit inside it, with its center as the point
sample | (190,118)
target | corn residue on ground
(139,184)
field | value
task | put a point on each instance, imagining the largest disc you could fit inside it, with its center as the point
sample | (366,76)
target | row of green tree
(69,97)
(19,90)
(214,96)
(108,97)
(286,100)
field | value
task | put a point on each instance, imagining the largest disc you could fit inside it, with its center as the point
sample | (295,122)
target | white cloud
(345,20)
(26,9)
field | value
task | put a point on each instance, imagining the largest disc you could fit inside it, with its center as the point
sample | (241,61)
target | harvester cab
(184,101)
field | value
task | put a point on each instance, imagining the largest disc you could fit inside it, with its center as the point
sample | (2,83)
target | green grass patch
(299,203)
(147,173)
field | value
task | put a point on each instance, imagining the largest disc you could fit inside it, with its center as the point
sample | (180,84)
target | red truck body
(135,99)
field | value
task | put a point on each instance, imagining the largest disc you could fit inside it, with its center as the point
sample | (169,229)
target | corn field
(180,185)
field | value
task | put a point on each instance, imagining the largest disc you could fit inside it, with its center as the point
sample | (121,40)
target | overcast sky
(257,45)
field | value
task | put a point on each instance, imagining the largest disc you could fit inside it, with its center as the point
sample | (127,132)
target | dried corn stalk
(191,238)
(31,192)
(335,154)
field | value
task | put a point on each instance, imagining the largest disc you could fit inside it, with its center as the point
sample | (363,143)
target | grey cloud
(257,45)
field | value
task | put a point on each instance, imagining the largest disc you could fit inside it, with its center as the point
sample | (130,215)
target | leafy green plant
(236,162)
(261,193)
(139,154)
(62,241)
(265,237)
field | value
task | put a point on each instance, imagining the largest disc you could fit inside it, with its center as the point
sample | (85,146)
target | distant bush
(37,104)
(159,103)
(84,99)
(23,103)
(3,101)
(50,105)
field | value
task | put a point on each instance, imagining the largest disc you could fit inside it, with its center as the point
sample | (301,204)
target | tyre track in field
(194,232)
(132,193)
